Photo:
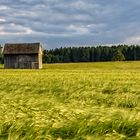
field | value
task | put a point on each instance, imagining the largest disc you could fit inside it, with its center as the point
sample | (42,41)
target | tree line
(92,54)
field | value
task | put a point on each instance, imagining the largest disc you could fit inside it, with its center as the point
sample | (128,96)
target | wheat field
(81,101)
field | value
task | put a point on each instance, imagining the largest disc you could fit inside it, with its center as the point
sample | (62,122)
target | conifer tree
(118,56)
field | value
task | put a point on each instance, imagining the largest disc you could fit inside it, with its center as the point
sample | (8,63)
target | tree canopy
(92,54)
(118,56)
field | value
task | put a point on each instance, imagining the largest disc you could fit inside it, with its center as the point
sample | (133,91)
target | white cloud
(13,29)
(77,29)
(2,20)
(4,7)
(132,40)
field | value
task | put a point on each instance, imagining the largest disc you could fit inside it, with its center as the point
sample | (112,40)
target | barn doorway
(35,65)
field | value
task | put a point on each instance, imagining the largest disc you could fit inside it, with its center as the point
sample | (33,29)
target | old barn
(23,56)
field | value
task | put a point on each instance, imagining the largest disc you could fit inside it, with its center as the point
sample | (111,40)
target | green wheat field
(81,101)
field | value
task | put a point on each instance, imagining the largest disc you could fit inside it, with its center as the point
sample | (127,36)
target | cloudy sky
(58,23)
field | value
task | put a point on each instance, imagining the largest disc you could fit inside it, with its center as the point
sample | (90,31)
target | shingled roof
(21,48)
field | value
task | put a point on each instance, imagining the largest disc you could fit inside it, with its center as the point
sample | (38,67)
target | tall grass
(85,101)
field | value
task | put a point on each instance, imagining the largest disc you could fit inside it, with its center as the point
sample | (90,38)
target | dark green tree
(118,56)
(45,56)
(1,55)
(92,54)
(1,59)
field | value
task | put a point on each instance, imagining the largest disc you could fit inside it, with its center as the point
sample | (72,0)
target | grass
(85,101)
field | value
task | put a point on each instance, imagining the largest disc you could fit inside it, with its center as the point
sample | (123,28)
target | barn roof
(21,48)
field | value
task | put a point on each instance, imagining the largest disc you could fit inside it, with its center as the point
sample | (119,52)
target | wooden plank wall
(21,61)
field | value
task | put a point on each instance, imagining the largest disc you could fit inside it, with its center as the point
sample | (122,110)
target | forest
(92,54)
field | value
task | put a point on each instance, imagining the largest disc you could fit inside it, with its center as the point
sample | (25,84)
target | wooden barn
(23,56)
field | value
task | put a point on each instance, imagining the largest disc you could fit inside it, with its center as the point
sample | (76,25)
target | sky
(60,23)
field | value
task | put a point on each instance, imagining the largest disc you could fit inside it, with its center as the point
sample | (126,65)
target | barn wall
(21,61)
(9,61)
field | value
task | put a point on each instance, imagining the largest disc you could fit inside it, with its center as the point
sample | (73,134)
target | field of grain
(85,101)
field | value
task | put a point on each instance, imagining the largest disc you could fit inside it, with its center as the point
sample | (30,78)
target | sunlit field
(85,101)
